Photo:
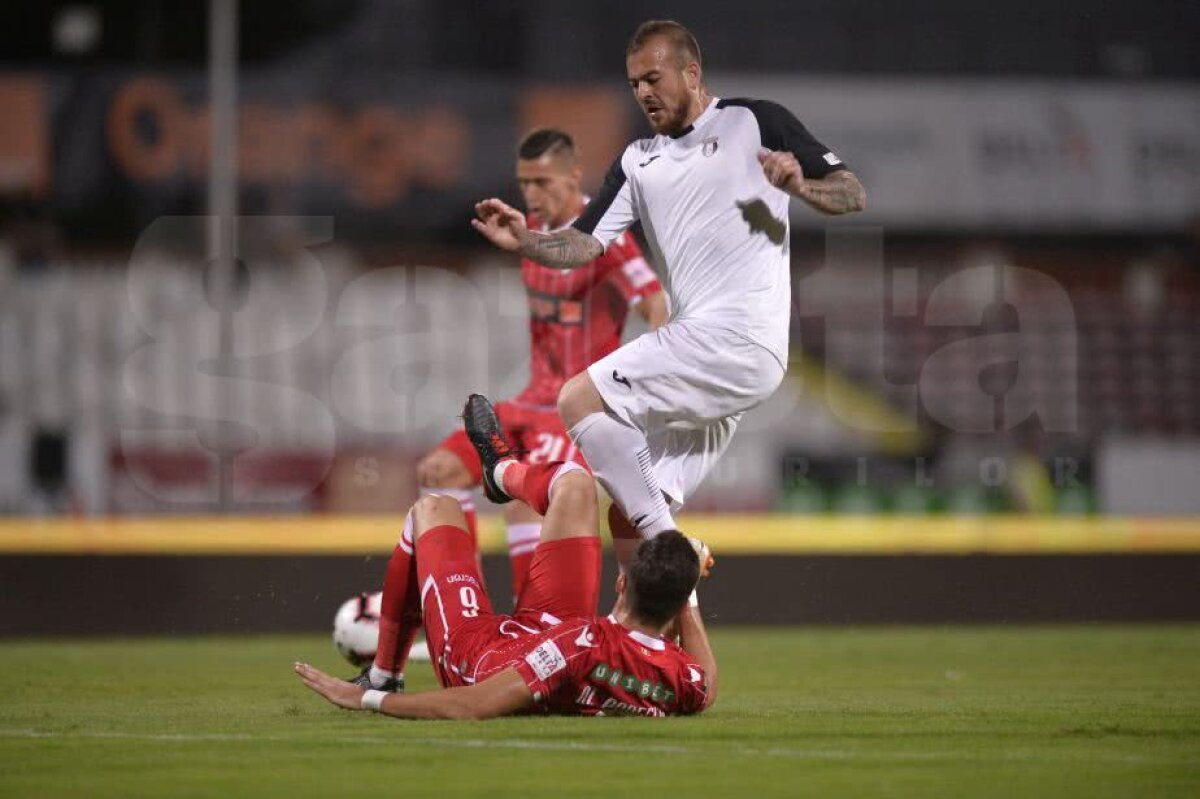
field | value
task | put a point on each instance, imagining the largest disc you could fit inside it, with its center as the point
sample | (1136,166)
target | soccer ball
(356,627)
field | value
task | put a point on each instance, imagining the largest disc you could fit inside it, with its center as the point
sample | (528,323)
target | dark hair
(681,39)
(545,140)
(663,573)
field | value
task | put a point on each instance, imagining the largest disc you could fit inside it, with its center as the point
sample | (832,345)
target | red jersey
(576,315)
(590,667)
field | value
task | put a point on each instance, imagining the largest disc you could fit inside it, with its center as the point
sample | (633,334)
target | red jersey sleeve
(632,276)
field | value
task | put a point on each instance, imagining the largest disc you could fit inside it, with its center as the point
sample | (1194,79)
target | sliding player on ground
(553,654)
(712,190)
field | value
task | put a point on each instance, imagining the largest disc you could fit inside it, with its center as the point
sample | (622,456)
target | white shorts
(686,386)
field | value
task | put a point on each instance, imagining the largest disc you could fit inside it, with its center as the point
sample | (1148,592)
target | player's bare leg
(618,455)
(573,511)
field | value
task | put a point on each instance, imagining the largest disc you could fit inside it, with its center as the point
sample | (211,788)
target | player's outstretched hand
(502,224)
(339,692)
(782,169)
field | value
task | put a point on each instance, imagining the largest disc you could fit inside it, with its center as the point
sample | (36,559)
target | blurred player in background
(712,189)
(575,318)
(553,654)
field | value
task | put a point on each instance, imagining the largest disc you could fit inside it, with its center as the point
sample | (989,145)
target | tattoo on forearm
(839,193)
(562,250)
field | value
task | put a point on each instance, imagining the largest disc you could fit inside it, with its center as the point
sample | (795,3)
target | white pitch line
(459,743)
(582,746)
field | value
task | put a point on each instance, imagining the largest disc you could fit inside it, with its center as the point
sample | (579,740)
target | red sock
(467,501)
(520,570)
(472,525)
(530,483)
(523,539)
(400,614)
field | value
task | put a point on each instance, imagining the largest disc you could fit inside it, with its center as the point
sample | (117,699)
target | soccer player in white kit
(711,190)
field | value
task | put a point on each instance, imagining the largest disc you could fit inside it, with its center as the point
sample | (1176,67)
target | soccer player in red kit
(575,318)
(553,654)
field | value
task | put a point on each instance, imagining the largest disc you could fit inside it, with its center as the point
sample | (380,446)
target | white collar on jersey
(648,641)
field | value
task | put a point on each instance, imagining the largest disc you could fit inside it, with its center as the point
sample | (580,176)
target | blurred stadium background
(993,410)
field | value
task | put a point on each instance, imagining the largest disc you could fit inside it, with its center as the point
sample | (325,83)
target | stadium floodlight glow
(76,30)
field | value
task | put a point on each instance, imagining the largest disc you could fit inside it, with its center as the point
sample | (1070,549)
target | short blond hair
(685,44)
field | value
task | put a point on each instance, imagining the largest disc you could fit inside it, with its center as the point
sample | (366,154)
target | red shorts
(537,434)
(564,581)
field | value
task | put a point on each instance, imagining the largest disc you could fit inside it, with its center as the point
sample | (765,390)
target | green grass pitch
(1096,711)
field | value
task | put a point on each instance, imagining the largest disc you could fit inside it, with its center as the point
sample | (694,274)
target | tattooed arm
(563,249)
(837,193)
(505,227)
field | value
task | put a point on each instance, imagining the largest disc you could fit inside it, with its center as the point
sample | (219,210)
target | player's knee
(434,510)
(577,489)
(577,483)
(578,398)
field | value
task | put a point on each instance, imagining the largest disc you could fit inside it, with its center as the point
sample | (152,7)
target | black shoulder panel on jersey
(594,211)
(780,130)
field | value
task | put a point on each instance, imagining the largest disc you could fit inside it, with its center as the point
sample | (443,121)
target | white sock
(498,472)
(379,677)
(620,460)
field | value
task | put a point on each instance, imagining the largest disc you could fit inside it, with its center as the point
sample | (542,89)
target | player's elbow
(711,699)
(857,195)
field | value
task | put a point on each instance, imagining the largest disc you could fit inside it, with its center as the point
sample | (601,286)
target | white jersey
(711,218)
